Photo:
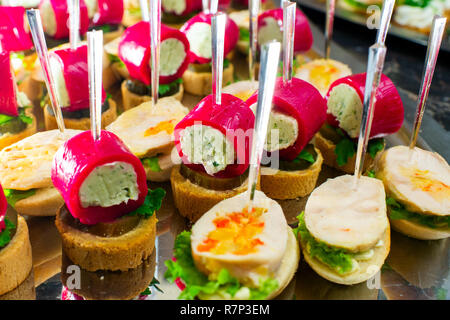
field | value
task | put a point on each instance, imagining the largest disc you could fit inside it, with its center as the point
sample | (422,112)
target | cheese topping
(270,31)
(175,6)
(108,185)
(199,36)
(172,56)
(207,146)
(348,218)
(48,17)
(92,6)
(419,179)
(250,245)
(345,104)
(418,17)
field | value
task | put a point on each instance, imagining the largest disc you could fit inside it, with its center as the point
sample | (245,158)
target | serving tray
(414,269)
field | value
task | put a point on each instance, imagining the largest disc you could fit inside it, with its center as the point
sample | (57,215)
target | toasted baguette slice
(285,272)
(282,185)
(131,100)
(8,139)
(200,83)
(84,123)
(327,149)
(192,201)
(45,202)
(93,253)
(15,259)
(166,162)
(25,291)
(367,269)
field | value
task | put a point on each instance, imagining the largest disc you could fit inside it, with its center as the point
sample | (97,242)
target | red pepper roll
(234,119)
(8,99)
(388,114)
(303,38)
(303,102)
(75,71)
(134,51)
(190,6)
(198,30)
(77,158)
(109,12)
(3,208)
(61,17)
(13,36)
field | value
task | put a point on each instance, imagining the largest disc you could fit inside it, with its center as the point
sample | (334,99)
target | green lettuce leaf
(166,88)
(374,146)
(305,155)
(148,291)
(371,174)
(152,163)
(12,196)
(152,203)
(338,259)
(416,3)
(22,117)
(113,58)
(345,149)
(198,283)
(5,235)
(244,34)
(397,211)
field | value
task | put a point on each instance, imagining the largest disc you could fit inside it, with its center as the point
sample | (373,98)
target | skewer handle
(434,44)
(386,15)
(74,18)
(253,8)
(95,56)
(155,45)
(210,6)
(288,38)
(218,22)
(329,23)
(270,54)
(144,10)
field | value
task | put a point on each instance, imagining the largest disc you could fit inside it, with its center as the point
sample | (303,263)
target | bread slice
(367,268)
(283,185)
(25,291)
(418,231)
(45,202)
(327,149)
(84,123)
(15,259)
(200,83)
(8,139)
(131,100)
(192,201)
(92,252)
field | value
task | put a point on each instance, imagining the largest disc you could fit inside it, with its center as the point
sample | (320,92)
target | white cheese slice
(174,6)
(270,31)
(346,217)
(172,56)
(199,36)
(250,267)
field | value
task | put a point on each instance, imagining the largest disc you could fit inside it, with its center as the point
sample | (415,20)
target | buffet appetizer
(179,11)
(15,249)
(197,79)
(106,15)
(298,113)
(417,181)
(16,118)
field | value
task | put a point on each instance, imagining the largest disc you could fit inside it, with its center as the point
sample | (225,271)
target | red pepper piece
(62,17)
(109,12)
(76,159)
(8,98)
(75,70)
(303,38)
(234,117)
(13,35)
(231,35)
(3,207)
(389,112)
(302,101)
(134,51)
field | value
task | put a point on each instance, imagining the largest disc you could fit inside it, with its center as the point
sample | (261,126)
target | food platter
(360,19)
(414,269)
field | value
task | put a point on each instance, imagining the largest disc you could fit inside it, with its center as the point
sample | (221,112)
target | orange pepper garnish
(167,126)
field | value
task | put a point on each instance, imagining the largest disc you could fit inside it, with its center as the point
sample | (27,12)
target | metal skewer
(253,8)
(210,6)
(288,39)
(386,15)
(434,44)
(144,10)
(37,32)
(270,54)
(155,45)
(329,23)
(95,56)
(218,39)
(74,18)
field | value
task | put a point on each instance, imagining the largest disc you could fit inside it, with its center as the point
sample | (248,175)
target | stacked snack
(70,72)
(25,169)
(16,119)
(108,221)
(232,253)
(15,249)
(147,131)
(106,15)
(344,231)
(130,56)
(336,140)
(213,143)
(417,186)
(298,113)
(198,77)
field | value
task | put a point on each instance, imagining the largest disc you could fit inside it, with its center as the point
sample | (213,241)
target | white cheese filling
(420,17)
(60,83)
(172,56)
(207,146)
(174,6)
(271,31)
(48,18)
(199,36)
(21,3)
(345,104)
(92,6)
(109,185)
